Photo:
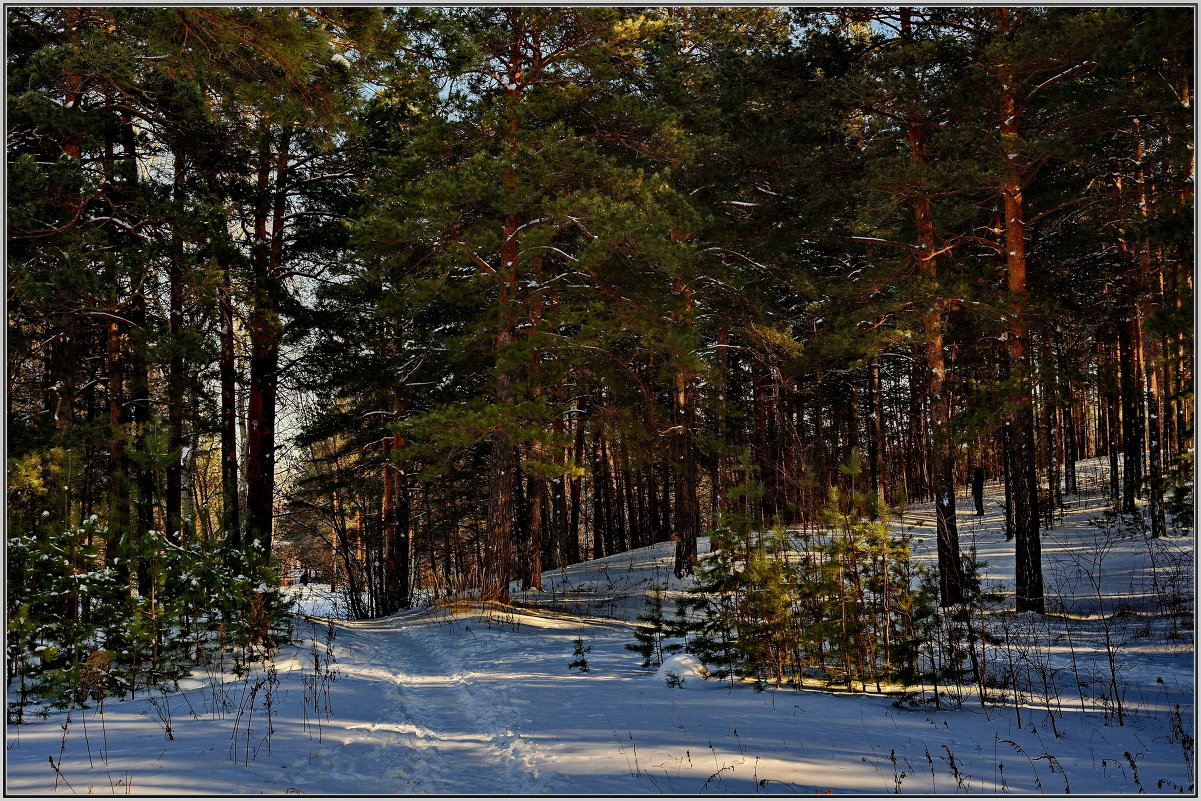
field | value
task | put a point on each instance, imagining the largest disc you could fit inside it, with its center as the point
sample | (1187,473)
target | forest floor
(444,701)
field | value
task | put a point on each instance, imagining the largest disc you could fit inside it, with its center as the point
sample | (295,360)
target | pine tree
(652,632)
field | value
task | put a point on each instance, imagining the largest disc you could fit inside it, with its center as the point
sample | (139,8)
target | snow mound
(679,667)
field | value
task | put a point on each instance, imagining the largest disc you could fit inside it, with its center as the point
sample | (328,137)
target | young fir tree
(652,632)
(580,653)
(738,616)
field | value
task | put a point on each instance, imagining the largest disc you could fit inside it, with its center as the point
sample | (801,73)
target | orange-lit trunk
(1024,479)
(950,564)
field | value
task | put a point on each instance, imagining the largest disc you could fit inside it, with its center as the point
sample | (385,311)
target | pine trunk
(265,328)
(1050,440)
(1071,441)
(139,402)
(1153,295)
(230,506)
(1113,426)
(571,535)
(1132,398)
(950,564)
(138,375)
(535,497)
(118,465)
(876,443)
(687,502)
(1024,479)
(175,375)
(502,483)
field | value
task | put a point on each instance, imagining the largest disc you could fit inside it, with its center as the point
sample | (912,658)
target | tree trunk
(687,503)
(118,465)
(571,536)
(175,373)
(919,479)
(687,472)
(535,524)
(1028,568)
(265,330)
(138,373)
(139,402)
(1113,429)
(978,489)
(600,496)
(556,550)
(394,519)
(876,445)
(1049,410)
(230,506)
(1153,294)
(1129,370)
(1071,442)
(502,482)
(761,448)
(1007,467)
(950,564)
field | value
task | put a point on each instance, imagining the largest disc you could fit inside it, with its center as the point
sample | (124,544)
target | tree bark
(950,563)
(571,536)
(1152,294)
(265,329)
(687,503)
(1049,422)
(394,518)
(876,446)
(118,465)
(138,373)
(1131,380)
(1113,427)
(175,371)
(1028,568)
(230,507)
(1071,441)
(535,523)
(502,483)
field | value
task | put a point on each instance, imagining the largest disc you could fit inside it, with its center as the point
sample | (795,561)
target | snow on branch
(1084,67)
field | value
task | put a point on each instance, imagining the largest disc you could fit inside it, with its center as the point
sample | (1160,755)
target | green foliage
(651,634)
(68,606)
(845,601)
(580,662)
(1179,489)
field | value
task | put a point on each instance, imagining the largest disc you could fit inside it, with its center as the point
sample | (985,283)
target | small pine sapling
(580,653)
(767,633)
(710,610)
(652,632)
(674,680)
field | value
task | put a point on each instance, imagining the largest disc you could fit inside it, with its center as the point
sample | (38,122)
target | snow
(464,701)
(680,667)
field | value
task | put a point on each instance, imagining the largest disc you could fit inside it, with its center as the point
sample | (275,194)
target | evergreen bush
(652,632)
(580,653)
(70,600)
(845,601)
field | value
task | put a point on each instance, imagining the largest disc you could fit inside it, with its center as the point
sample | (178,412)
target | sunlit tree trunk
(1028,569)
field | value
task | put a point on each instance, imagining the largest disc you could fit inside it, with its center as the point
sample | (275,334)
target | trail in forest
(430,726)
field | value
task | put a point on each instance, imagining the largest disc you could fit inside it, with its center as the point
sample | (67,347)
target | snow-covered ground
(444,701)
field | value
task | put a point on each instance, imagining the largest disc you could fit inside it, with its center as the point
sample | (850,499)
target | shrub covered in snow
(79,599)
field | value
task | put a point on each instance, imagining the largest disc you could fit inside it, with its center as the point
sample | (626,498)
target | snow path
(436,722)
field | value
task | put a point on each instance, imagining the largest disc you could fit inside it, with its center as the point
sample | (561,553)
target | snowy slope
(468,703)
